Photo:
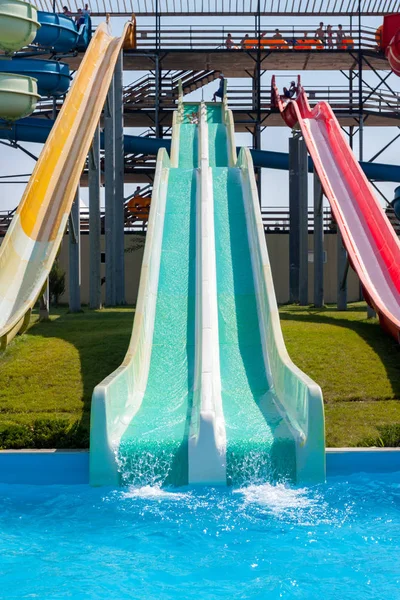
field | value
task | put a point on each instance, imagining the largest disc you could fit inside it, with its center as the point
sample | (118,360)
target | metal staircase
(143,91)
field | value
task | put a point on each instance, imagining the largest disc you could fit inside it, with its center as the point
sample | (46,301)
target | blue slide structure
(60,34)
(36,130)
(57,34)
(52,76)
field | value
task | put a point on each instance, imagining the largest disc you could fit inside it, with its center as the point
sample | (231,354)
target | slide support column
(75,256)
(119,207)
(318,243)
(94,222)
(294,231)
(109,175)
(303,222)
(44,304)
(342,270)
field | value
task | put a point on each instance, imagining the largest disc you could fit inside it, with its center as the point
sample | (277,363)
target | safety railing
(272,37)
(339,97)
(276,220)
(244,98)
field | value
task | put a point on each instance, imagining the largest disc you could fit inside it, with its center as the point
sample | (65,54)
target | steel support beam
(294,221)
(342,270)
(94,177)
(44,303)
(303,223)
(109,176)
(318,243)
(119,217)
(74,256)
(158,88)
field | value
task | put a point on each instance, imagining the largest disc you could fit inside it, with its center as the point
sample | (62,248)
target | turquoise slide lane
(154,447)
(259,443)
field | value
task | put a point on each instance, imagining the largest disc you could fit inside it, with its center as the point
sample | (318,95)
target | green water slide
(273,412)
(259,441)
(141,413)
(207,393)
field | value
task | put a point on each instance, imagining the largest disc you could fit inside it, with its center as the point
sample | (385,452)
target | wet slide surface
(259,444)
(185,404)
(153,449)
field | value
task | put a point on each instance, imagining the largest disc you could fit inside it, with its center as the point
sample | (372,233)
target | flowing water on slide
(259,444)
(153,449)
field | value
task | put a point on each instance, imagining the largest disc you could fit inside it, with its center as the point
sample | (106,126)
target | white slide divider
(117,398)
(207,438)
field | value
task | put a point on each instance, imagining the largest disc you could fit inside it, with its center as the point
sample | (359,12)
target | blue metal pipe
(34,129)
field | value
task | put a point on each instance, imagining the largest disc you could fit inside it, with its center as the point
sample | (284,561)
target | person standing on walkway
(220,91)
(320,33)
(229,42)
(329,37)
(339,36)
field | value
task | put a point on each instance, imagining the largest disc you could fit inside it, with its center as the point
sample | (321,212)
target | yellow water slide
(34,236)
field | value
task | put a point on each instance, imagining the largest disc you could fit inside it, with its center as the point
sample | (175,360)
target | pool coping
(67,466)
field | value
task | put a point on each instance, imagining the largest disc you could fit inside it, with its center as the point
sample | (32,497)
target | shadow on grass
(382,344)
(102,339)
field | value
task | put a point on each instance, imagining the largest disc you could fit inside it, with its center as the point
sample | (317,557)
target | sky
(275,188)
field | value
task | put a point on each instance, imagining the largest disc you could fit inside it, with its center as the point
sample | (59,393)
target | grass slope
(47,375)
(357,366)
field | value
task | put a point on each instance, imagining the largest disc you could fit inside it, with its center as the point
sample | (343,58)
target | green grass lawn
(357,366)
(48,374)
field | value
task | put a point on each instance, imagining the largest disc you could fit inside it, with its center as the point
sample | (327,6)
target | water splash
(151,492)
(278,498)
(145,468)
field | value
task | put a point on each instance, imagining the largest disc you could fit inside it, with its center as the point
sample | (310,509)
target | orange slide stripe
(52,186)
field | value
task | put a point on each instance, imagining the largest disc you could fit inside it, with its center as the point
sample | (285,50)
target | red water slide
(372,245)
(389,40)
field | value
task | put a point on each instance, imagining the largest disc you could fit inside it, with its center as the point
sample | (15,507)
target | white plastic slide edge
(118,397)
(228,120)
(207,437)
(298,397)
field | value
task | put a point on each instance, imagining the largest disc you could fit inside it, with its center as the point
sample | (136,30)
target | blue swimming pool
(335,541)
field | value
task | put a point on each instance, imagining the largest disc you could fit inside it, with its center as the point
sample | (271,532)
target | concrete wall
(278,248)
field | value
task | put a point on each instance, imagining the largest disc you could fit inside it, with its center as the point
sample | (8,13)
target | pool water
(340,540)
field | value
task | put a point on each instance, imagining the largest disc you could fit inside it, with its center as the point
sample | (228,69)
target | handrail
(193,37)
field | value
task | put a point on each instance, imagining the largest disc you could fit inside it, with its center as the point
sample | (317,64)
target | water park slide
(370,240)
(32,241)
(144,413)
(206,393)
(273,412)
